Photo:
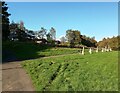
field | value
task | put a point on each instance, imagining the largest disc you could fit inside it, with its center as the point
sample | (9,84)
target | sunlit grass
(95,72)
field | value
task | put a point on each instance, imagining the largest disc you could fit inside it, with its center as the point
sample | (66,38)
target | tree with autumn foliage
(113,42)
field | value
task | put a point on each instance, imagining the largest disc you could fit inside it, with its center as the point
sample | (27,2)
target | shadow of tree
(20,51)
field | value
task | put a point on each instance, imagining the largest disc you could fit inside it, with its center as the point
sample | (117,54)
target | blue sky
(98,19)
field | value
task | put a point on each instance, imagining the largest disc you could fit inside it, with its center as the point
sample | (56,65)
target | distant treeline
(75,38)
(113,42)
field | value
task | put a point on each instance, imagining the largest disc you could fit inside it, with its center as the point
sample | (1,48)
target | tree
(113,42)
(73,37)
(16,32)
(87,41)
(42,32)
(13,26)
(31,32)
(5,21)
(21,25)
(49,37)
(93,38)
(63,39)
(77,37)
(22,36)
(53,33)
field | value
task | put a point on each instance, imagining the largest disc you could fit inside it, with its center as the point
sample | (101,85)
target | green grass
(95,72)
(73,72)
(24,50)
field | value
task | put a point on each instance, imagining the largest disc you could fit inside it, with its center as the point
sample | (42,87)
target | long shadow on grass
(20,51)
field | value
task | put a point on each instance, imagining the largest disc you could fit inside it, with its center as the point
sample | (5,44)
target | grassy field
(75,72)
(29,50)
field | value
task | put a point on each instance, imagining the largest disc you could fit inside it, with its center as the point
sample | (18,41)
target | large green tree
(5,20)
(73,37)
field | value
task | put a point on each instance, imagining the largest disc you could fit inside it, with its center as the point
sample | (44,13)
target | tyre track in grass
(70,88)
(55,74)
(53,77)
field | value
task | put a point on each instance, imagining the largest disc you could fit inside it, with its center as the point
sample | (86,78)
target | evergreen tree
(5,20)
